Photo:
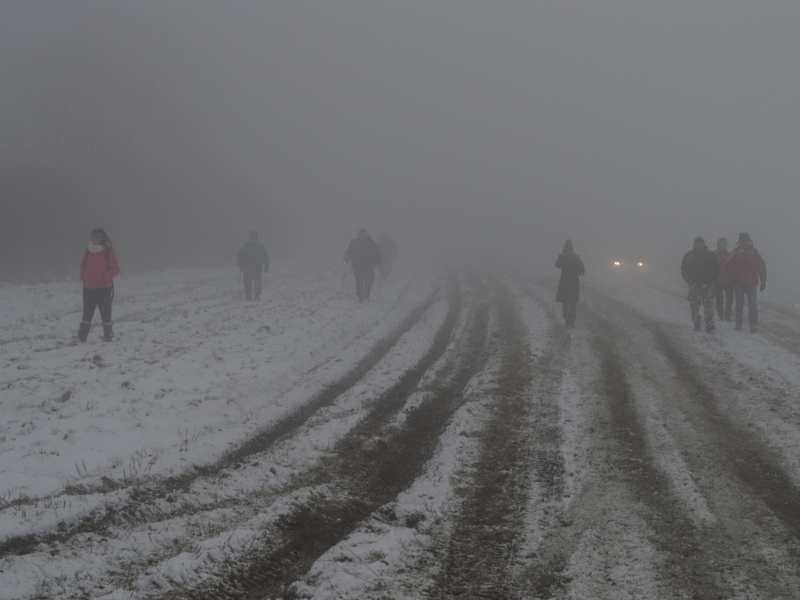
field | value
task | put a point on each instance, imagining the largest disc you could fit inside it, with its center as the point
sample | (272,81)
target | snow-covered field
(172,461)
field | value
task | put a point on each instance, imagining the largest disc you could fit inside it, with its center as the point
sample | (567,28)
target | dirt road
(509,458)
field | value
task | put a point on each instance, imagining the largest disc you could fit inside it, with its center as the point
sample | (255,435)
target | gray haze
(486,131)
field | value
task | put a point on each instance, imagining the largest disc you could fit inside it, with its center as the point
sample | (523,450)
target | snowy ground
(216,440)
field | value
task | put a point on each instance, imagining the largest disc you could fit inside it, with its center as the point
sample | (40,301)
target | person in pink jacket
(98,269)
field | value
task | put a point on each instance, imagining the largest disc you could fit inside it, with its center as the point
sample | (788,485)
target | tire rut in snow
(751,462)
(739,478)
(686,564)
(521,436)
(151,491)
(370,467)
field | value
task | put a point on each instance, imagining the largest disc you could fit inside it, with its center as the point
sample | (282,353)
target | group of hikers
(363,253)
(724,276)
(99,267)
(721,276)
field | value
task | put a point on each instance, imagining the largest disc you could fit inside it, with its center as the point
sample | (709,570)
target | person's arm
(685,266)
(560,261)
(113,265)
(730,267)
(83,263)
(581,268)
(348,252)
(762,270)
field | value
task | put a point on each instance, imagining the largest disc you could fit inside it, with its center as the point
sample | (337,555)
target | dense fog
(482,132)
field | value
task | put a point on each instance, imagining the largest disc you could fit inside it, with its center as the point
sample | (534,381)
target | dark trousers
(750,291)
(570,312)
(723,292)
(252,284)
(702,294)
(98,298)
(365,277)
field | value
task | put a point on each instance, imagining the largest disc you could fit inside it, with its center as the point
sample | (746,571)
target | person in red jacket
(98,269)
(723,289)
(745,267)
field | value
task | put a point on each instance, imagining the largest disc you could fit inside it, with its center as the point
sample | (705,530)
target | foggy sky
(488,131)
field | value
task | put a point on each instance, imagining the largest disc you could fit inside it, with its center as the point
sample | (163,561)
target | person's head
(567,249)
(253,235)
(362,233)
(744,239)
(98,237)
(699,243)
(722,244)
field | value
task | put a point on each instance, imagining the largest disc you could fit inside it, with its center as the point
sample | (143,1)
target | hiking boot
(710,329)
(738,327)
(697,327)
(83,331)
(753,328)
(107,333)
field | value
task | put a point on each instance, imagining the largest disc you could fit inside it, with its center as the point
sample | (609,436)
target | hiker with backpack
(98,269)
(364,254)
(746,267)
(569,284)
(700,269)
(252,259)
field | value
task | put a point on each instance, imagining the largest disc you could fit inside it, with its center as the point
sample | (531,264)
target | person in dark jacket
(388,254)
(700,269)
(252,260)
(569,285)
(746,267)
(98,269)
(723,288)
(364,254)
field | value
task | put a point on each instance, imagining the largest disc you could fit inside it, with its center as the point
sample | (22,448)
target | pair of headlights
(619,264)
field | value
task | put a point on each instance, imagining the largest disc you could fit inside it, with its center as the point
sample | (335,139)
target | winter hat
(568,246)
(362,232)
(722,242)
(98,234)
(699,240)
(744,237)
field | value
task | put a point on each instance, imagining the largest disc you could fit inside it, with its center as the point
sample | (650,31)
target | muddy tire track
(628,479)
(520,437)
(146,494)
(369,468)
(754,503)
(751,462)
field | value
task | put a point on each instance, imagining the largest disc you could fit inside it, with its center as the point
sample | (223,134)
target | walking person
(364,254)
(723,288)
(98,269)
(569,285)
(700,269)
(252,260)
(746,267)
(388,254)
